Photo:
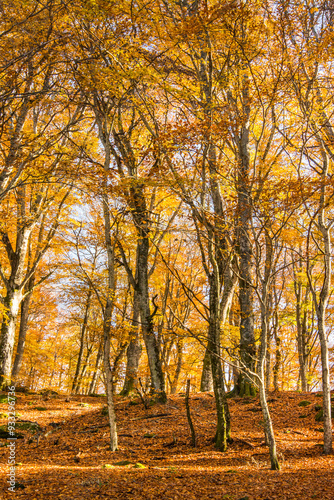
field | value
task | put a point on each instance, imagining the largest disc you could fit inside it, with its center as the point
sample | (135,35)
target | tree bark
(133,352)
(108,310)
(321,301)
(11,306)
(22,337)
(269,431)
(28,214)
(268,362)
(190,422)
(76,382)
(326,391)
(277,365)
(108,375)
(152,348)
(82,375)
(223,417)
(13,299)
(96,372)
(179,347)
(206,378)
(247,339)
(301,321)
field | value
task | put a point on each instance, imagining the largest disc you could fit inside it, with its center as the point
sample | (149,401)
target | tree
(314,102)
(31,207)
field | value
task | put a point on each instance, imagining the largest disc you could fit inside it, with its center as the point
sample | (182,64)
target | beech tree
(166,179)
(315,103)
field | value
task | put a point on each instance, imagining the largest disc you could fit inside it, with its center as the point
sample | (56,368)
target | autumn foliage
(166,201)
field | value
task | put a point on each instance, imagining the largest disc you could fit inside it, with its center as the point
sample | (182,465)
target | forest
(166,227)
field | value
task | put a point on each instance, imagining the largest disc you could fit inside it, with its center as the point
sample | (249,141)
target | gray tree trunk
(12,301)
(133,352)
(152,348)
(268,363)
(327,409)
(301,320)
(12,305)
(108,310)
(321,302)
(76,381)
(173,386)
(81,383)
(108,375)
(269,431)
(28,214)
(247,338)
(206,378)
(25,306)
(22,337)
(278,355)
(96,372)
(223,418)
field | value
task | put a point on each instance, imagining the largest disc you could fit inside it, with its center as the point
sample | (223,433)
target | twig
(245,442)
(158,415)
(142,394)
(93,427)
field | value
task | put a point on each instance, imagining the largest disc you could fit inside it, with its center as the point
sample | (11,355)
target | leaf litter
(72,459)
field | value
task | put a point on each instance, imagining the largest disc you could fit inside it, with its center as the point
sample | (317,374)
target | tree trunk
(92,387)
(278,355)
(321,301)
(108,375)
(327,410)
(268,363)
(269,431)
(301,331)
(12,300)
(173,387)
(116,365)
(247,339)
(11,304)
(80,380)
(22,336)
(76,382)
(108,310)
(133,352)
(223,420)
(140,283)
(153,355)
(206,379)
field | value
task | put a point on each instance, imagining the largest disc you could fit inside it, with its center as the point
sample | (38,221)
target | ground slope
(72,460)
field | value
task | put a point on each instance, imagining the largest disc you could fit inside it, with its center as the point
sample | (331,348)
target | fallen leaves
(145,468)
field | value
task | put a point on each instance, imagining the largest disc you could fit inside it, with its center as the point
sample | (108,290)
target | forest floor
(73,461)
